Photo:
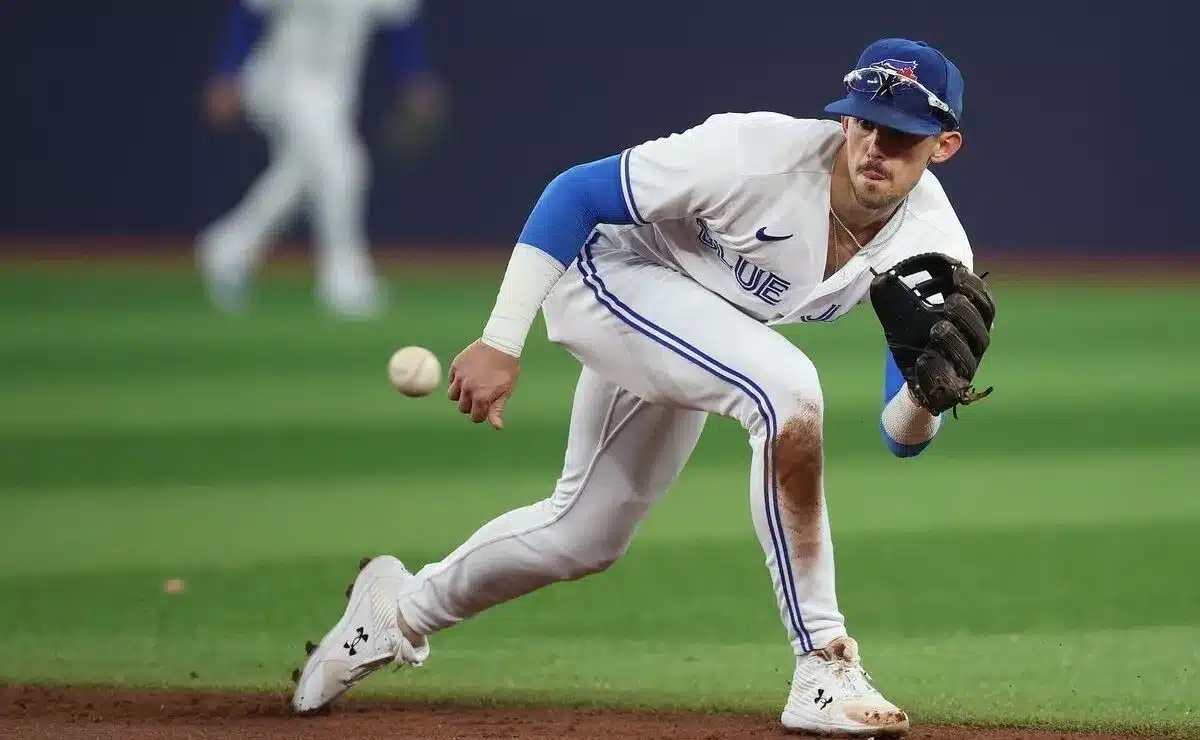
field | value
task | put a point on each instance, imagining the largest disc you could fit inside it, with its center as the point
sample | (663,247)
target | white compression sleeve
(530,276)
(907,422)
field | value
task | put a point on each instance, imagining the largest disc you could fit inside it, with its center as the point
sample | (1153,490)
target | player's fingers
(496,413)
(479,410)
(455,385)
(950,343)
(465,401)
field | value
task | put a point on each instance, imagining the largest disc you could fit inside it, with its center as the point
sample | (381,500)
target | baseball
(415,371)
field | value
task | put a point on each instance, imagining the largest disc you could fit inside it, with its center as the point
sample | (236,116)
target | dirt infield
(42,713)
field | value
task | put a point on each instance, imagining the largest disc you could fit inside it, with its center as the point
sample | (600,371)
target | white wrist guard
(530,276)
(906,422)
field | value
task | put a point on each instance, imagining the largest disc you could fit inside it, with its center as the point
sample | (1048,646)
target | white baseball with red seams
(415,371)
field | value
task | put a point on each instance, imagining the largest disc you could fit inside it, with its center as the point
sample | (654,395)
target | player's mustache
(875,167)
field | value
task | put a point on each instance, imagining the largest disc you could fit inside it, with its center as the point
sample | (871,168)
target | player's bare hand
(481,380)
(221,102)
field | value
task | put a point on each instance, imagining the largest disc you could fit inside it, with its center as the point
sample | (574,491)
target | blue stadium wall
(1079,117)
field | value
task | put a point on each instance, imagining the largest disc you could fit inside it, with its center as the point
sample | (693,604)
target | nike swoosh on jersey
(763,236)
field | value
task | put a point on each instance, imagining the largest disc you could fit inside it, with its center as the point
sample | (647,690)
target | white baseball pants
(659,354)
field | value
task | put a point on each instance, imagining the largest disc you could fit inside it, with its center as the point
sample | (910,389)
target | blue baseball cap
(906,85)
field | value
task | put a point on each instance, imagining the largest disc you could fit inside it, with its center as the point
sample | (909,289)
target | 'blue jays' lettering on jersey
(762,284)
(825,315)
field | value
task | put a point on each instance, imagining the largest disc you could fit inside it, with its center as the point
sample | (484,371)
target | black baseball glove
(937,346)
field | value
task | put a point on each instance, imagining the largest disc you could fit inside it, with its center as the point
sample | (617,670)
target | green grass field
(1038,565)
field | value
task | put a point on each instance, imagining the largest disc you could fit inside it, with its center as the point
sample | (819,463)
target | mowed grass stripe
(85,528)
(946,581)
(263,452)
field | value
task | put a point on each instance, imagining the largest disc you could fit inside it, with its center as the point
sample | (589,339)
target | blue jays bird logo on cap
(908,69)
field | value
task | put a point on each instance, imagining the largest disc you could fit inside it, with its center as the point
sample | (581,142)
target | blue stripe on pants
(591,278)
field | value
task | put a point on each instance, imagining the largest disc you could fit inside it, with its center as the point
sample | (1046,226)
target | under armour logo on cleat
(359,637)
(821,700)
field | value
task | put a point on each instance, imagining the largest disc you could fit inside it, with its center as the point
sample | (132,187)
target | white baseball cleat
(367,638)
(224,272)
(359,303)
(832,696)
(350,290)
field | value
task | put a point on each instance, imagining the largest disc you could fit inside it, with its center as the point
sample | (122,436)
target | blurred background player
(294,68)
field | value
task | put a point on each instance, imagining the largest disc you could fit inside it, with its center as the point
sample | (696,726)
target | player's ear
(845,124)
(948,145)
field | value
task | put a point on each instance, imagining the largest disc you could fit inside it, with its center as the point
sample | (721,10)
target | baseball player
(294,67)
(663,270)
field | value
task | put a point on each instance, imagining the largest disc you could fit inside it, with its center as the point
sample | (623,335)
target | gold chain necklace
(837,248)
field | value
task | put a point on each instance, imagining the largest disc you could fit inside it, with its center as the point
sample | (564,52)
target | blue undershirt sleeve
(242,29)
(573,204)
(410,58)
(893,381)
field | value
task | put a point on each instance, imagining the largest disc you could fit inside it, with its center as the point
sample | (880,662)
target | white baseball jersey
(321,42)
(740,203)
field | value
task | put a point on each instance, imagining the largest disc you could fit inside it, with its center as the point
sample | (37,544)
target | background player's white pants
(318,162)
(659,353)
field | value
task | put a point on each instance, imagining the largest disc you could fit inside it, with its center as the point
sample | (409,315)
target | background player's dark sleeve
(242,29)
(408,51)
